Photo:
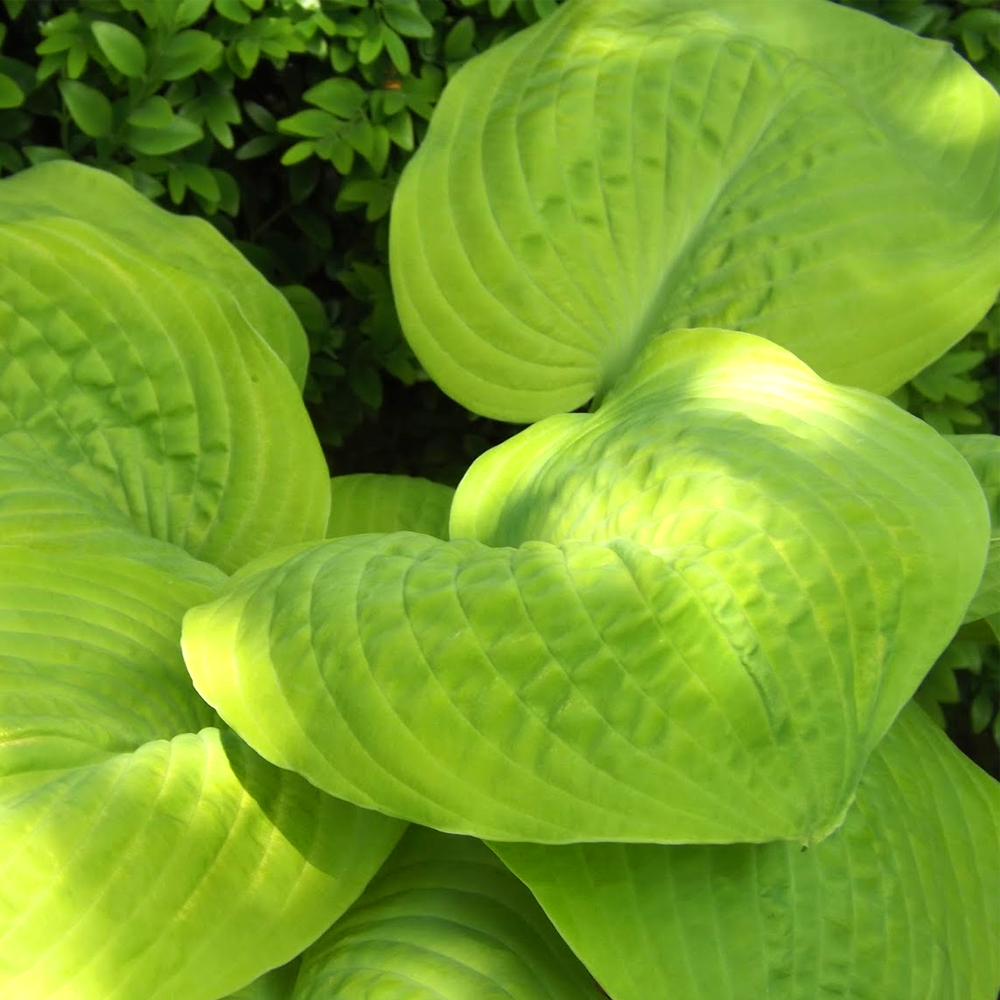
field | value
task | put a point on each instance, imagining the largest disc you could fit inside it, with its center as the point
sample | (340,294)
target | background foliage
(286,123)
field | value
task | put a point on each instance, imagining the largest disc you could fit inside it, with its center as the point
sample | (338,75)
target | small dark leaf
(11,95)
(186,12)
(341,59)
(360,136)
(260,116)
(229,192)
(980,712)
(201,180)
(310,123)
(176,185)
(153,113)
(180,134)
(338,95)
(366,385)
(44,154)
(10,159)
(302,180)
(458,41)
(398,53)
(405,17)
(315,227)
(188,52)
(400,129)
(89,108)
(76,60)
(233,10)
(120,47)
(261,145)
(297,153)
(308,307)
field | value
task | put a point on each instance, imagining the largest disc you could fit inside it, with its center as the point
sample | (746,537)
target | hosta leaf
(844,534)
(443,920)
(145,853)
(797,170)
(982,452)
(89,646)
(540,693)
(367,502)
(900,902)
(763,566)
(110,207)
(146,386)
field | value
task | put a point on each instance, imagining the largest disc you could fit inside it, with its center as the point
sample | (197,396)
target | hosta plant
(642,685)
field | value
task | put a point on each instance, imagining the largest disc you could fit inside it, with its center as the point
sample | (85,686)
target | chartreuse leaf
(146,384)
(801,171)
(900,902)
(367,502)
(145,852)
(511,693)
(841,536)
(706,604)
(982,452)
(108,206)
(443,920)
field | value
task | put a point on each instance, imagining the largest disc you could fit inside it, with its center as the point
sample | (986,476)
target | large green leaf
(145,853)
(695,614)
(900,902)
(541,693)
(791,168)
(443,920)
(840,535)
(367,502)
(142,383)
(102,205)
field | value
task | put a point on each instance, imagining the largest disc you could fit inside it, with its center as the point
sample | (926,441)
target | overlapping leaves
(686,619)
(148,382)
(900,902)
(695,614)
(145,850)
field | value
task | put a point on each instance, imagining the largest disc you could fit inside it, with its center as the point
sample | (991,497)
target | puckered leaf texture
(134,373)
(688,617)
(797,170)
